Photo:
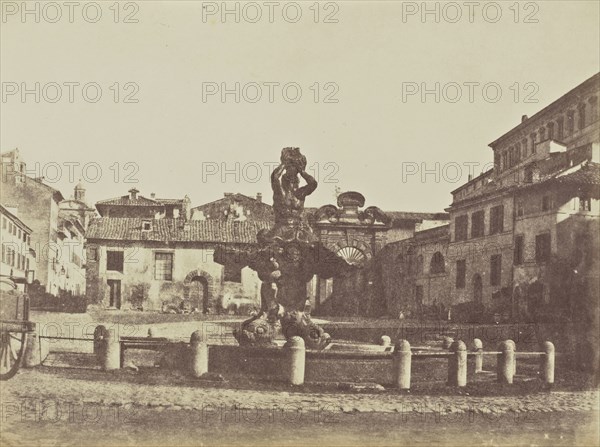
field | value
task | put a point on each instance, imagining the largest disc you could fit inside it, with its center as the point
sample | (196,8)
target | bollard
(385,340)
(199,349)
(151,332)
(295,360)
(36,349)
(506,362)
(109,350)
(478,348)
(547,370)
(514,346)
(457,364)
(99,334)
(402,364)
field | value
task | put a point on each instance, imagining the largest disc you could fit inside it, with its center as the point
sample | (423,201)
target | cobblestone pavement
(57,407)
(40,386)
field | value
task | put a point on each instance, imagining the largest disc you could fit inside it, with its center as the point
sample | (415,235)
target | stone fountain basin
(340,361)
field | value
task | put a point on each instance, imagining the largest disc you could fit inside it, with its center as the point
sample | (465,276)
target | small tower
(80,192)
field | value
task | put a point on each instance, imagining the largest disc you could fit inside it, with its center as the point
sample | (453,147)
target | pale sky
(369,57)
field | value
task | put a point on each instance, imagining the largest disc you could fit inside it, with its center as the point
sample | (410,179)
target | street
(56,407)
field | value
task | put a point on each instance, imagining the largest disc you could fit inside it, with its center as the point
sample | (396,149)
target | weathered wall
(138,276)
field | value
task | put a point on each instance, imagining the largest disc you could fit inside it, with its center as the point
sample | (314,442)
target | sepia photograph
(299,223)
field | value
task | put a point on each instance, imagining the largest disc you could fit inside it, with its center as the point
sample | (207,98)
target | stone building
(57,236)
(513,229)
(148,253)
(358,235)
(18,258)
(235,207)
(150,264)
(134,205)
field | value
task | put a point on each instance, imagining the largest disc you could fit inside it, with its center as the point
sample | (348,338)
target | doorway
(114,293)
(198,294)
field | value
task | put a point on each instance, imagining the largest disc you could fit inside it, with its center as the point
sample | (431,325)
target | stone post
(385,341)
(36,350)
(478,348)
(199,349)
(295,359)
(514,346)
(506,362)
(99,334)
(109,349)
(457,364)
(402,364)
(547,370)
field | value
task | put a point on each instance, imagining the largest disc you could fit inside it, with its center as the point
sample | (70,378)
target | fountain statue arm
(308,189)
(276,181)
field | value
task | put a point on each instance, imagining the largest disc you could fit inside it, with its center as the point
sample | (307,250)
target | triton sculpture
(287,257)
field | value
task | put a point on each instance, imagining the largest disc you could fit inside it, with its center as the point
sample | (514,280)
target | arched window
(437,263)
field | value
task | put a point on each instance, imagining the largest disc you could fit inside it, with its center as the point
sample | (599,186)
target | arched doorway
(198,293)
(477,288)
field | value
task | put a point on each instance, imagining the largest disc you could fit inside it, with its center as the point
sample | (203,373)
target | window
(477,223)
(460,228)
(4,223)
(570,122)
(146,225)
(542,247)
(114,261)
(437,263)
(520,208)
(542,133)
(92,254)
(546,203)
(532,136)
(550,126)
(581,111)
(495,270)
(461,274)
(232,272)
(518,253)
(163,266)
(524,147)
(561,128)
(585,203)
(497,219)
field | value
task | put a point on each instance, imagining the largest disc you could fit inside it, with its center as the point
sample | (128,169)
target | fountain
(287,257)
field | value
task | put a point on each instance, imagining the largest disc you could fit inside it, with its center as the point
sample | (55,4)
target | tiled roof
(128,201)
(170,201)
(235,197)
(406,215)
(587,174)
(175,230)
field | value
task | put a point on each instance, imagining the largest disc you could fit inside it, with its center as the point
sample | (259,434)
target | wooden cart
(14,326)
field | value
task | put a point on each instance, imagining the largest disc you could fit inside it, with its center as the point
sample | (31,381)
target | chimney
(259,197)
(227,194)
(133,193)
(152,195)
(470,177)
(523,118)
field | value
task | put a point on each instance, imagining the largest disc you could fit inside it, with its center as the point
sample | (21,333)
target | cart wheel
(12,348)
